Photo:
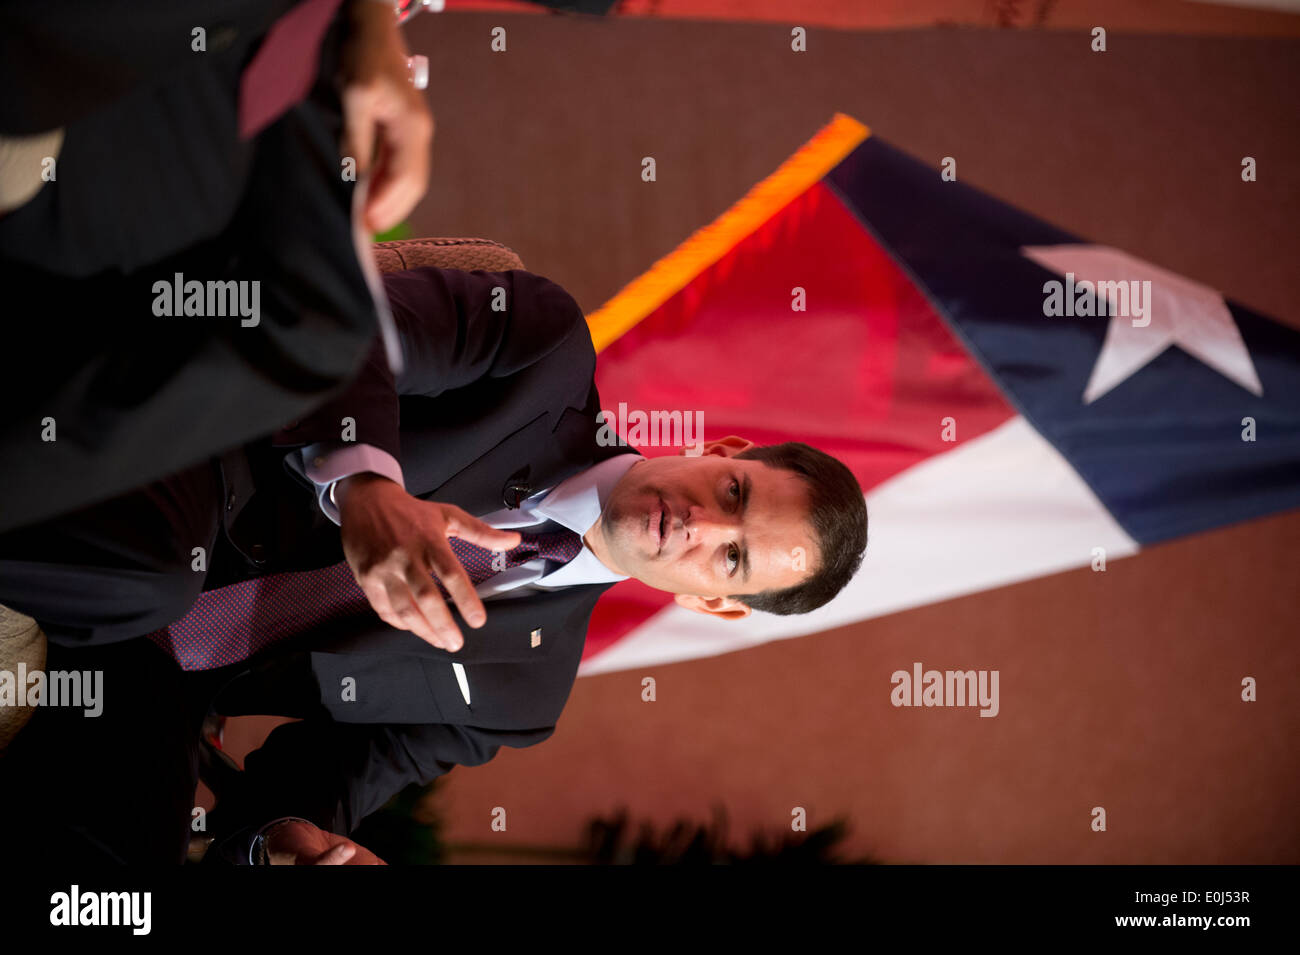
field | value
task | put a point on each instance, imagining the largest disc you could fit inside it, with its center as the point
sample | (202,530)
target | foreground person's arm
(332,775)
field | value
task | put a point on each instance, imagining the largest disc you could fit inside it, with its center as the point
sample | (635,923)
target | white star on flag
(1182,312)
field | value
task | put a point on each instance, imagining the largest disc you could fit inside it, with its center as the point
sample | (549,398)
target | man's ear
(726,447)
(724,607)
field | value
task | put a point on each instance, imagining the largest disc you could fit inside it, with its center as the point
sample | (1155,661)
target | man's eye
(733,559)
(735,489)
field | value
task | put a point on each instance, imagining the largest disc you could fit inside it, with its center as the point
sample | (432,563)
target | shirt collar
(577,501)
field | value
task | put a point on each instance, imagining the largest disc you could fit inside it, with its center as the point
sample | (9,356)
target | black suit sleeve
(457,328)
(336,774)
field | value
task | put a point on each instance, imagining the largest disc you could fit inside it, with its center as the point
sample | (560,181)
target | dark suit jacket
(491,406)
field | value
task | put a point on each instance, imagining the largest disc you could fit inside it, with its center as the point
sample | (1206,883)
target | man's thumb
(358,133)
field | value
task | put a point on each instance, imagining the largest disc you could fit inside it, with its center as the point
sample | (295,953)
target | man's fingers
(338,855)
(377,596)
(410,615)
(459,587)
(402,170)
(389,201)
(406,597)
(390,596)
(359,127)
(460,524)
(445,633)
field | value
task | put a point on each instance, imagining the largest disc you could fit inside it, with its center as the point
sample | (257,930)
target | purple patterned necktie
(232,623)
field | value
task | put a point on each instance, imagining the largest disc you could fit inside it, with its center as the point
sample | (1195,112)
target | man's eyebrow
(745,488)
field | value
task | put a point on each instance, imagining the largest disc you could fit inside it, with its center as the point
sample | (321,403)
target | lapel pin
(535,638)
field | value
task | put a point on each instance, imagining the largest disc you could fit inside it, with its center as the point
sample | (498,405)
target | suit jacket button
(258,553)
(514,492)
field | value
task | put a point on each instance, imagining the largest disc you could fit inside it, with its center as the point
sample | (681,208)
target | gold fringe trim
(673,272)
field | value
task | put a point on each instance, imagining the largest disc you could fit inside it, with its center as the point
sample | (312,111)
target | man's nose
(706,524)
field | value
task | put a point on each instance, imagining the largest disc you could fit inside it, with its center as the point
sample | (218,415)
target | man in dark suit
(490,435)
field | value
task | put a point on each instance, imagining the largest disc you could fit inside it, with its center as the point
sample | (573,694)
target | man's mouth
(663,528)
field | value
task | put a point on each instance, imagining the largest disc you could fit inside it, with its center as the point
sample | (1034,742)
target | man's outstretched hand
(396,544)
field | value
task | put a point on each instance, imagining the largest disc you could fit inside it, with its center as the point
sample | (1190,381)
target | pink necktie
(232,623)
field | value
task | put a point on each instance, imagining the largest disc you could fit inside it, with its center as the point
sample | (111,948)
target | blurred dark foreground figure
(177,237)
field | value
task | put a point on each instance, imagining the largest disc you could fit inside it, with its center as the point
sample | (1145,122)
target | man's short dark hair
(837,512)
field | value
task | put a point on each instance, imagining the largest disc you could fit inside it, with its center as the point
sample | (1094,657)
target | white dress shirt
(575,503)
